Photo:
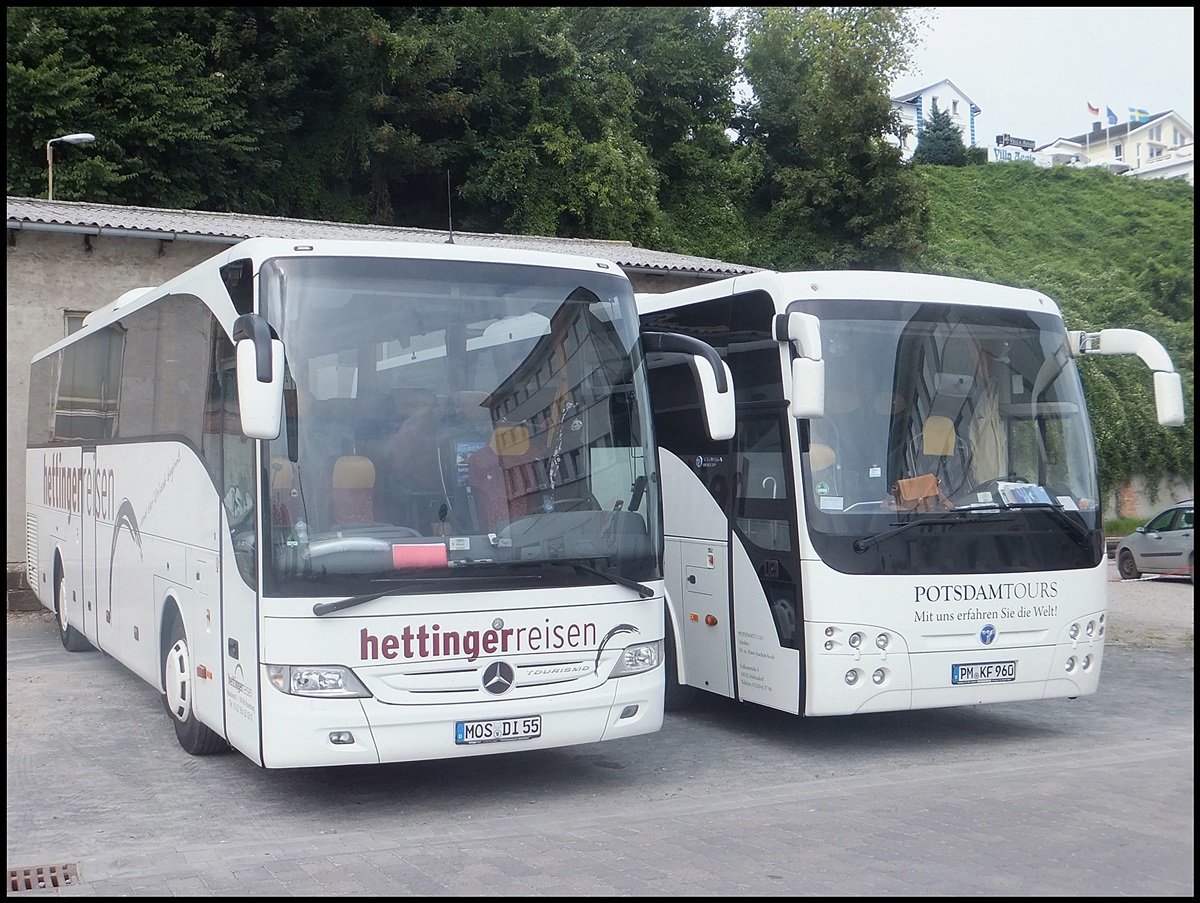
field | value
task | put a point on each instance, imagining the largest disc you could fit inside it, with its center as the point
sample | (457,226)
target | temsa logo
(433,642)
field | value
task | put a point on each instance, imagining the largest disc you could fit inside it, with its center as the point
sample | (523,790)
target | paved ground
(1072,798)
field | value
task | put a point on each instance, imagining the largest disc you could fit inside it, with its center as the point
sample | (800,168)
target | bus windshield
(933,408)
(451,421)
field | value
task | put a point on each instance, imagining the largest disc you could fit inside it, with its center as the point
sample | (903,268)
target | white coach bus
(358,502)
(908,515)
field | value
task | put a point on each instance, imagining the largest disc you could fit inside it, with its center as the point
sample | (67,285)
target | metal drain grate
(42,877)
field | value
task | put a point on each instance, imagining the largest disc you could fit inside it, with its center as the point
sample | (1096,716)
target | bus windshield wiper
(1081,532)
(950,517)
(640,588)
(325,608)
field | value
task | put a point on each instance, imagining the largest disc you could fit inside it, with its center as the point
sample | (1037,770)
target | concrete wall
(1139,499)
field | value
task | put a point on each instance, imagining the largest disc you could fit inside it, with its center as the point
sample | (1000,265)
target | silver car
(1163,546)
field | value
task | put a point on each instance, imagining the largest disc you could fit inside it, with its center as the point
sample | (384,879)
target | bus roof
(260,249)
(786,287)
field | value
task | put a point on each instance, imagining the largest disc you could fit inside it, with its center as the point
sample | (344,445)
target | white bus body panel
(148,516)
(946,620)
(417,699)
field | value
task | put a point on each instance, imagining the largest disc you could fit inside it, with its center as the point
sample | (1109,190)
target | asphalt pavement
(1051,798)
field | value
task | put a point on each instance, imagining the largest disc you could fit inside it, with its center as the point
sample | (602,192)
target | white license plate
(467,732)
(983,673)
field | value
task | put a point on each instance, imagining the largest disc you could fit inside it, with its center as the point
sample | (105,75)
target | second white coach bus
(908,515)
(359,502)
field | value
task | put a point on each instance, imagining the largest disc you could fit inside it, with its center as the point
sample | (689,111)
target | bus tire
(178,686)
(677,696)
(72,639)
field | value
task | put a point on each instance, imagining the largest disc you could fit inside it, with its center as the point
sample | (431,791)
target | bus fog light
(323,681)
(1071,662)
(855,640)
(1087,663)
(852,677)
(881,641)
(828,644)
(878,676)
(639,658)
(1073,633)
(341,738)
(628,712)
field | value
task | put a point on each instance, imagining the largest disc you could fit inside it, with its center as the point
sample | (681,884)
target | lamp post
(79,138)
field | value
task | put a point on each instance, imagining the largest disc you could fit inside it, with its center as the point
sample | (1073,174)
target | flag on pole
(1095,111)
(1112,117)
(1138,115)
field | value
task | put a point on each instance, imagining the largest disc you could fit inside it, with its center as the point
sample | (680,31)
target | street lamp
(80,138)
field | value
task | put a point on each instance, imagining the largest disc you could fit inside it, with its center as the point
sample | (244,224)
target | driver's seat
(940,441)
(353,490)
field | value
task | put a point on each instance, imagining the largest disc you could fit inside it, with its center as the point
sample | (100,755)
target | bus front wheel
(72,639)
(178,687)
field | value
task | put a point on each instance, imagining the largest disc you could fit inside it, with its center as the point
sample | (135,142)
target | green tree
(832,191)
(682,65)
(168,131)
(940,141)
(548,145)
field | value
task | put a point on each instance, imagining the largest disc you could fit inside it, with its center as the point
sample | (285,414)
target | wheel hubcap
(62,608)
(178,680)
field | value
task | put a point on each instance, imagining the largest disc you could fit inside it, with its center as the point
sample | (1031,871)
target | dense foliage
(603,122)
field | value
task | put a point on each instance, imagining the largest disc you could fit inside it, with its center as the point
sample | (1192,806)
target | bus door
(89,516)
(765,561)
(235,638)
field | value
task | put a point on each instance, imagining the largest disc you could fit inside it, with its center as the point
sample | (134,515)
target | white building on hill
(1158,147)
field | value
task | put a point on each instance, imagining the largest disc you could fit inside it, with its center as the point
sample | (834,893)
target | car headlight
(638,658)
(321,681)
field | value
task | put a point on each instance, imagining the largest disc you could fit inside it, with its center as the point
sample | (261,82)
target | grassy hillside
(1112,251)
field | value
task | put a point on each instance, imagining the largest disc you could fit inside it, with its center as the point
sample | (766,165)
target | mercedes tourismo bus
(357,502)
(908,515)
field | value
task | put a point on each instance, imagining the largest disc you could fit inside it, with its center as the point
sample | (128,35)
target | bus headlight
(323,681)
(639,658)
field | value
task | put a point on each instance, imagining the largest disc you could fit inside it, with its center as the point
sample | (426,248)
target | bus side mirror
(712,375)
(807,398)
(1168,398)
(808,389)
(1168,389)
(719,411)
(259,377)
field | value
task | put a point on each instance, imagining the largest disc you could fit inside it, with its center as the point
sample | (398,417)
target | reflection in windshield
(444,418)
(931,408)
